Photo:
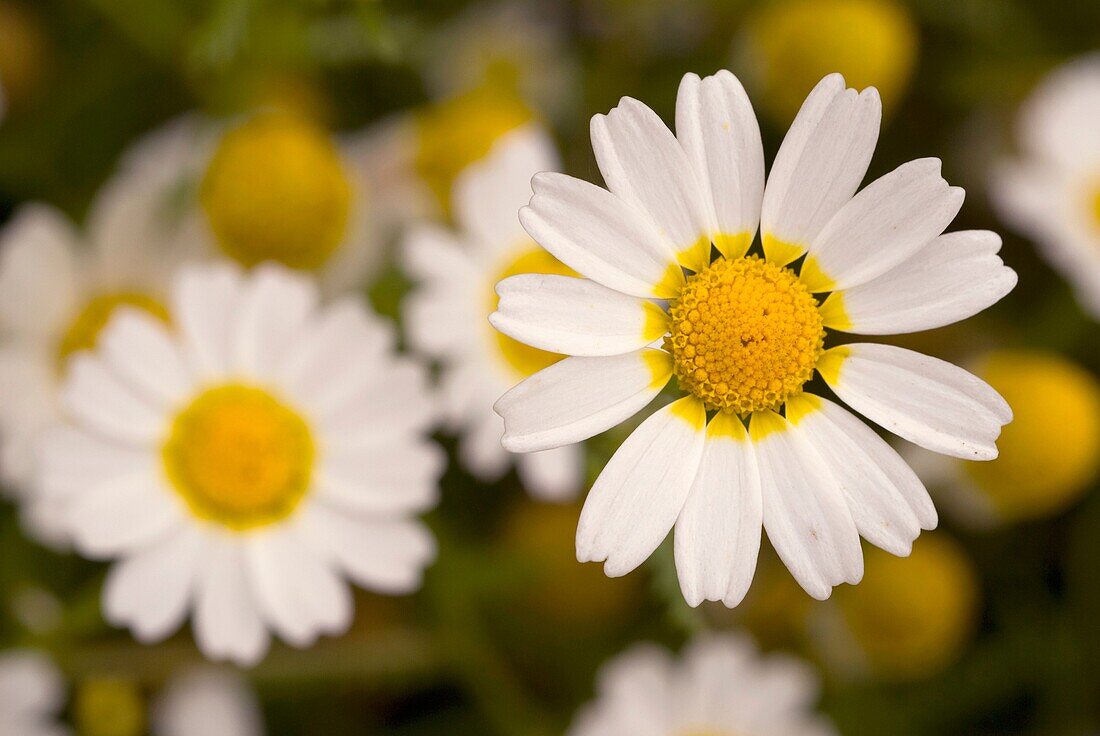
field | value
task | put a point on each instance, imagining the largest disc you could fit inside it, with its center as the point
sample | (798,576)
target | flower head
(671,286)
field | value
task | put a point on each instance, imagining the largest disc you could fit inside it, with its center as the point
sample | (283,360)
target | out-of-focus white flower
(743,334)
(508,44)
(446,317)
(58,288)
(207,702)
(1051,191)
(274,186)
(244,463)
(32,694)
(719,685)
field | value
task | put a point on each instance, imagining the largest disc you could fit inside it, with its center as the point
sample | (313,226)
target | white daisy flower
(719,685)
(32,694)
(1052,191)
(274,186)
(446,317)
(242,465)
(743,335)
(58,288)
(207,702)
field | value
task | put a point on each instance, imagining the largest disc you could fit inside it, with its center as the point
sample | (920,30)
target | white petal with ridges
(643,163)
(925,400)
(227,622)
(717,127)
(886,223)
(805,513)
(577,398)
(641,491)
(819,166)
(717,536)
(954,277)
(602,237)
(575,316)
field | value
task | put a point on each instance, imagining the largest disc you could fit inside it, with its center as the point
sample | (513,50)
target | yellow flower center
(277,190)
(239,457)
(1096,206)
(524,359)
(1049,454)
(456,133)
(745,335)
(911,616)
(797,42)
(83,332)
(109,707)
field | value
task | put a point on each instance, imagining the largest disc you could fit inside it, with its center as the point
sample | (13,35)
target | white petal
(489,194)
(480,449)
(880,510)
(384,555)
(99,400)
(717,127)
(151,591)
(635,501)
(72,460)
(38,271)
(30,685)
(718,533)
(386,478)
(819,166)
(206,702)
(298,592)
(447,321)
(954,277)
(882,226)
(805,513)
(391,399)
(138,347)
(643,163)
(577,398)
(556,475)
(1057,121)
(433,254)
(274,305)
(227,622)
(122,515)
(925,400)
(204,302)
(575,316)
(602,237)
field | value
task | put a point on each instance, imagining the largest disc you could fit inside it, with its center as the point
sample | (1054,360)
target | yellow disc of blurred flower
(276,190)
(453,134)
(1050,452)
(562,589)
(109,707)
(912,616)
(22,51)
(794,43)
(82,333)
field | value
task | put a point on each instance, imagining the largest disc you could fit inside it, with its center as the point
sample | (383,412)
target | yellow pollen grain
(239,457)
(525,360)
(83,331)
(745,335)
(276,190)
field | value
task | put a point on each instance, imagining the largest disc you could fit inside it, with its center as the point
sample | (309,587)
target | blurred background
(991,627)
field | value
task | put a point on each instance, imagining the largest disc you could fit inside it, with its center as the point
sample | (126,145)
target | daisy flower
(719,685)
(242,465)
(207,702)
(743,334)
(32,694)
(58,288)
(445,317)
(1051,192)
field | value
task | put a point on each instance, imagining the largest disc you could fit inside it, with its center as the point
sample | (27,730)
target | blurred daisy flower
(275,186)
(242,465)
(910,618)
(207,702)
(1051,191)
(743,334)
(719,685)
(58,288)
(1050,454)
(446,316)
(789,45)
(32,695)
